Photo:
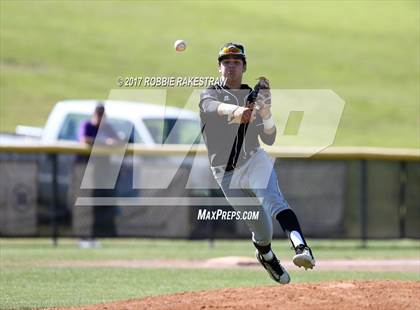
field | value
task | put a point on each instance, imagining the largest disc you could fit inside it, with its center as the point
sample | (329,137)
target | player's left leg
(290,224)
(263,180)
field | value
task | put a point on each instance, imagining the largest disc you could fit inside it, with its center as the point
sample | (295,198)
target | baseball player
(231,124)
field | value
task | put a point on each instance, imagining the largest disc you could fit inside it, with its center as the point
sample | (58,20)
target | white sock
(296,238)
(268,256)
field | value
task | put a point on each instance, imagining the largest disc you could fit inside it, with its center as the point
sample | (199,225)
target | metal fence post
(54,201)
(402,208)
(363,202)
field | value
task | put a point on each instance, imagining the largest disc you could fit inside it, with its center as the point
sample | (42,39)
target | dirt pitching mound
(326,295)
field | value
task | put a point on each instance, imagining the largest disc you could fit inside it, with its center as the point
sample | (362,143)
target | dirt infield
(325,295)
(232,262)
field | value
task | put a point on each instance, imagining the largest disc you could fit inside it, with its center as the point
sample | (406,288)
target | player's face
(232,69)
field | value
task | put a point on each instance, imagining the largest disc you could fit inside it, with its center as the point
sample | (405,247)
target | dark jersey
(229,144)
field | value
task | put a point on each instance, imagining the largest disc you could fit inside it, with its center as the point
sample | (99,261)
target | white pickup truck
(148,124)
(148,121)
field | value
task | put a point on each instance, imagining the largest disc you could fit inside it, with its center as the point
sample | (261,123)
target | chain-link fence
(336,195)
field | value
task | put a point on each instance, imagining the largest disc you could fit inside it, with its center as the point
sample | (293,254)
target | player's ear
(244,69)
(220,68)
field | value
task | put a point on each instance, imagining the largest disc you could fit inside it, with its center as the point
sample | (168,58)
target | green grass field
(367,52)
(28,281)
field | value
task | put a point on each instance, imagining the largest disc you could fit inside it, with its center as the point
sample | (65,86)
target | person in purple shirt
(103,216)
(88,131)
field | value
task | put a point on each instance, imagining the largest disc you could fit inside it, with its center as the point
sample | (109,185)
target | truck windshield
(73,121)
(174,131)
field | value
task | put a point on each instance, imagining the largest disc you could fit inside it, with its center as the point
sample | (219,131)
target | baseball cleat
(304,257)
(274,269)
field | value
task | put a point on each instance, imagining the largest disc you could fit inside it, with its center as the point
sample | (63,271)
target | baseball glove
(259,96)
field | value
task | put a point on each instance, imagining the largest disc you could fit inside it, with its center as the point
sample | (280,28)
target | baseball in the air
(180,45)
